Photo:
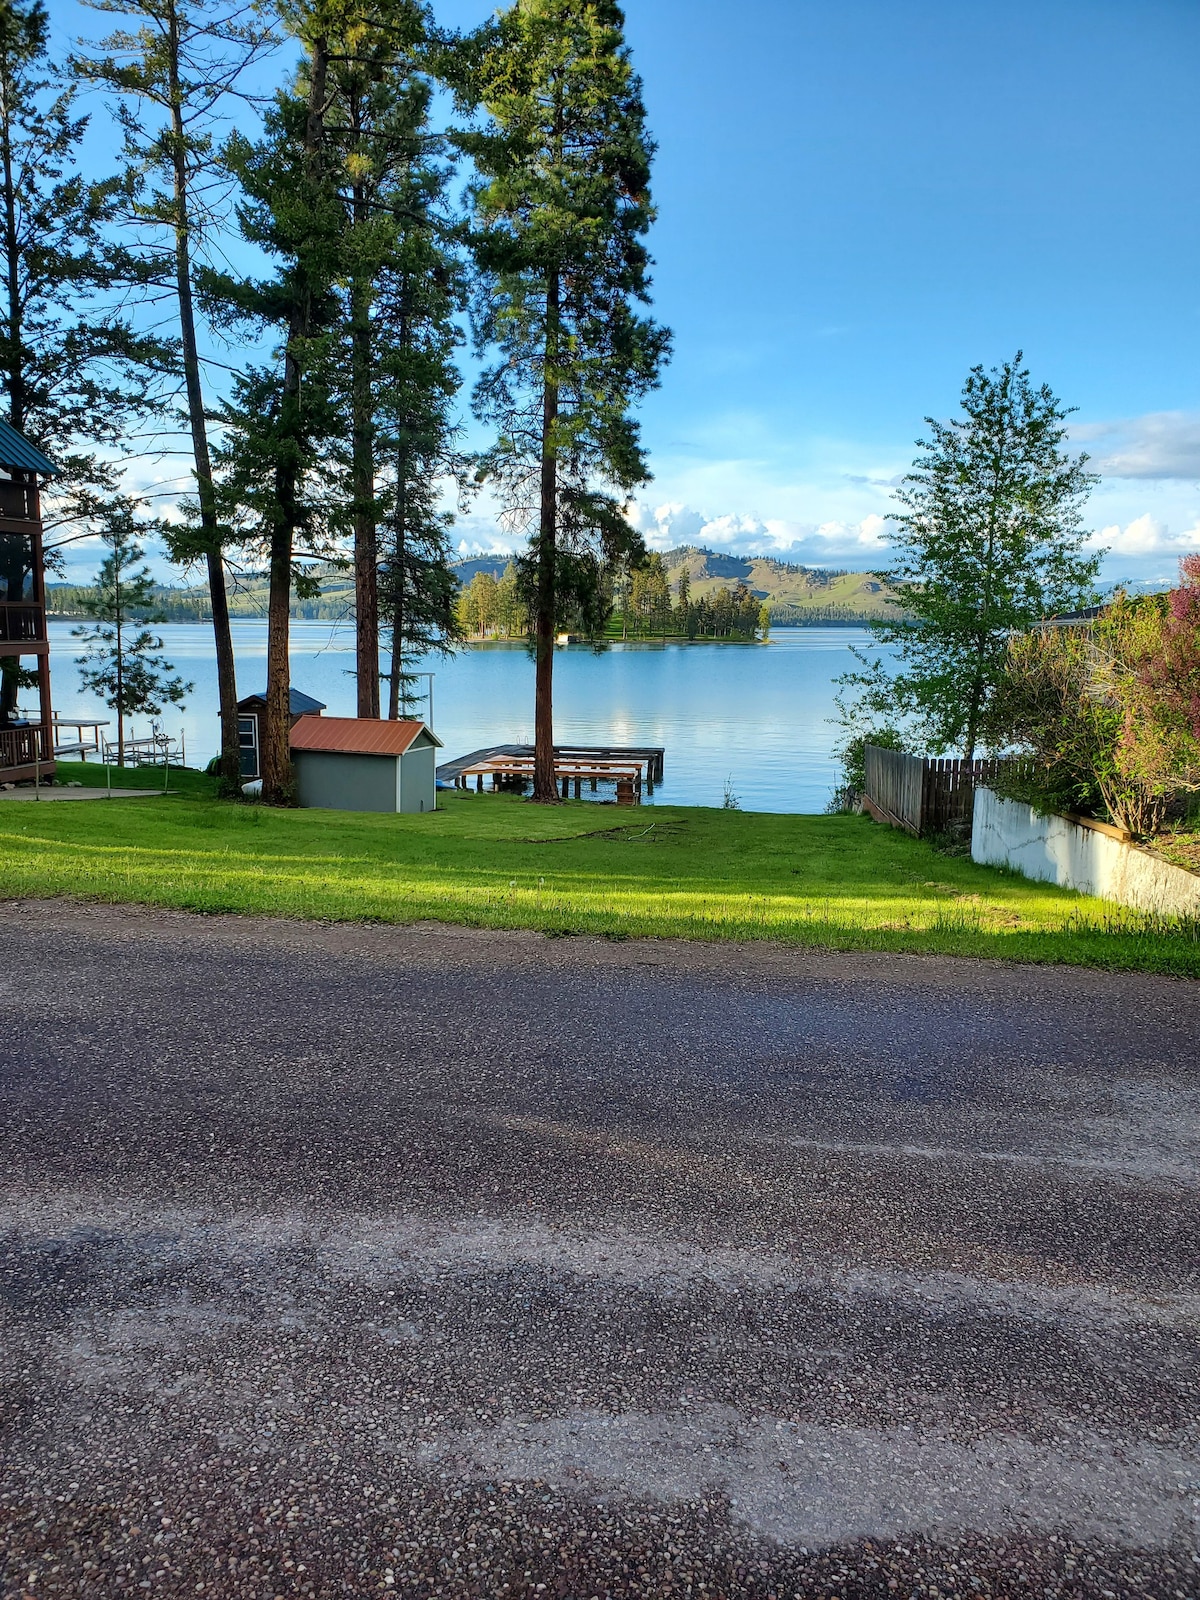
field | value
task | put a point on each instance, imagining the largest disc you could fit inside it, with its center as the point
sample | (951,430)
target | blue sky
(859,200)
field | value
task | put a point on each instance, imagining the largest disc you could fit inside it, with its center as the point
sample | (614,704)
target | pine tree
(990,542)
(683,599)
(404,291)
(273,480)
(376,120)
(561,210)
(74,372)
(174,75)
(121,661)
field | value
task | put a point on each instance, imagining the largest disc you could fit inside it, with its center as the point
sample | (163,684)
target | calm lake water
(755,716)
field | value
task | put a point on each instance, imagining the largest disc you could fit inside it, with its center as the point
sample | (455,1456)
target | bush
(1107,712)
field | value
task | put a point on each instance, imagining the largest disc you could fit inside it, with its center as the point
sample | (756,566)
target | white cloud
(1145,536)
(829,543)
(1159,445)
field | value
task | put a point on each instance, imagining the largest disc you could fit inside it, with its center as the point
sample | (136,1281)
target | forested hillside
(795,594)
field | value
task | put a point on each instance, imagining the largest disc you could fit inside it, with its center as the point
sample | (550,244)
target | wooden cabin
(26,741)
(252,718)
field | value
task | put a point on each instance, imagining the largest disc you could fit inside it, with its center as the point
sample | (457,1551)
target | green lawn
(500,862)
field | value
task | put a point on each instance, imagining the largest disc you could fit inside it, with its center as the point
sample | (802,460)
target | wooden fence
(924,796)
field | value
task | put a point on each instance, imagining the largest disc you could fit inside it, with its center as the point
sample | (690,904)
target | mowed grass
(501,862)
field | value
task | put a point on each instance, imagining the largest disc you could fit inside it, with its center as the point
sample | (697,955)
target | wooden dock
(630,767)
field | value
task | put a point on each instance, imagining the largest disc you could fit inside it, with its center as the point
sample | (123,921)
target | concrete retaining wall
(1093,859)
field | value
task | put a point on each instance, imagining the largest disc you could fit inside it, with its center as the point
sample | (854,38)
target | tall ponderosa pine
(174,75)
(273,481)
(75,374)
(561,211)
(421,293)
(990,541)
(121,663)
(399,284)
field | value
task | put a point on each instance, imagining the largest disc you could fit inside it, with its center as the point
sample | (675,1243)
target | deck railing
(25,747)
(18,501)
(20,621)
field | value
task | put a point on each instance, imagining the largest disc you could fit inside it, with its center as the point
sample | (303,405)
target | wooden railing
(24,747)
(18,501)
(924,796)
(19,621)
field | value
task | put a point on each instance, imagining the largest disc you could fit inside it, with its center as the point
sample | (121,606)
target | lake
(755,716)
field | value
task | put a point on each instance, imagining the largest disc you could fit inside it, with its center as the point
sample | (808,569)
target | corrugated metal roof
(298,703)
(357,736)
(19,453)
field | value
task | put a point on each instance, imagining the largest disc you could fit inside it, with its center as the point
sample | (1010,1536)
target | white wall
(1054,850)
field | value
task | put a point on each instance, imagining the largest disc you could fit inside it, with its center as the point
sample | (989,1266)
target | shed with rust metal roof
(365,764)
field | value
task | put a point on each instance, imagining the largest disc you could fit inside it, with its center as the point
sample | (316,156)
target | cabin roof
(17,453)
(358,736)
(299,704)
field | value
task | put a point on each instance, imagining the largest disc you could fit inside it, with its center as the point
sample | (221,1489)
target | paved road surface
(341,1262)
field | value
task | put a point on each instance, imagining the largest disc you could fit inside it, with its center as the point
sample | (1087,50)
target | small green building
(365,764)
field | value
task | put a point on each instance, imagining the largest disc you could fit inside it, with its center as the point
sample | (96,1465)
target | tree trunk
(230,767)
(396,674)
(16,366)
(278,781)
(120,672)
(366,548)
(545,789)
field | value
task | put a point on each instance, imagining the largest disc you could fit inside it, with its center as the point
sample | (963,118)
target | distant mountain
(796,594)
(464,571)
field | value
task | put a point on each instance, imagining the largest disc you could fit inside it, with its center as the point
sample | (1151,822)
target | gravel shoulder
(340,1261)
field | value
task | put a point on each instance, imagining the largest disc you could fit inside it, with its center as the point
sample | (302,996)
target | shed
(251,713)
(365,764)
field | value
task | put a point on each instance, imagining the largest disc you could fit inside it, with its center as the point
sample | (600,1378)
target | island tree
(174,72)
(989,540)
(560,215)
(121,662)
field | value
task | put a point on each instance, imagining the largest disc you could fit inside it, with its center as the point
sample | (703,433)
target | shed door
(248,747)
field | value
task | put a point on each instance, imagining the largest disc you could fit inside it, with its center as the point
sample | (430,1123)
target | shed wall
(334,781)
(418,778)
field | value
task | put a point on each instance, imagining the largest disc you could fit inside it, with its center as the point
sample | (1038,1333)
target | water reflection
(755,717)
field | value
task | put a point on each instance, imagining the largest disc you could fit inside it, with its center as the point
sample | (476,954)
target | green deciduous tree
(561,211)
(989,540)
(173,73)
(121,661)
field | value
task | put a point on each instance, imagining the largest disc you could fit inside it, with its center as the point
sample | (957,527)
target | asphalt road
(347,1261)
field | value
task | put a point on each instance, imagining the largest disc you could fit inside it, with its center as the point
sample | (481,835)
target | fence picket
(923,795)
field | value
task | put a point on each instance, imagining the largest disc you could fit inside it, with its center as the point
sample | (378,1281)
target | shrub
(1106,711)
